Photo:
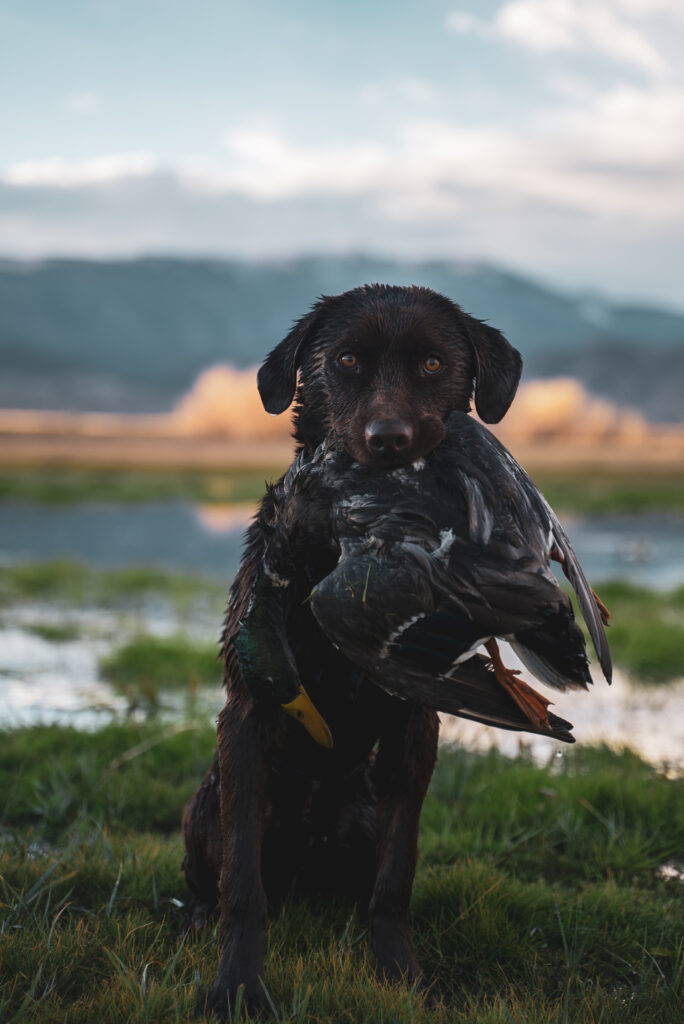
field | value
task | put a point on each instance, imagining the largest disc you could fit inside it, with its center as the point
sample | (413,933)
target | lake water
(207,540)
(45,681)
(42,681)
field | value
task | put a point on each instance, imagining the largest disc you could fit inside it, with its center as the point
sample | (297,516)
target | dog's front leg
(244,742)
(406,758)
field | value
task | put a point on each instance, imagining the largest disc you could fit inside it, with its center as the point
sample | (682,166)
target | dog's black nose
(388,437)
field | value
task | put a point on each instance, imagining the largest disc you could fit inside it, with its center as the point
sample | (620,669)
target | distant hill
(132,335)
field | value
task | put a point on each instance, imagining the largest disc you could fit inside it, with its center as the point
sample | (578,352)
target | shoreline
(136,451)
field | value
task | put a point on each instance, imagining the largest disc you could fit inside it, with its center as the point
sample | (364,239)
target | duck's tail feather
(542,669)
(585,598)
(472,691)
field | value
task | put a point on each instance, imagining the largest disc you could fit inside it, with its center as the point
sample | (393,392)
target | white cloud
(263,164)
(616,153)
(631,128)
(626,254)
(597,153)
(60,173)
(614,28)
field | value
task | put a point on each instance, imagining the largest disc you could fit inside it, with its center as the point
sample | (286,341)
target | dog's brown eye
(348,360)
(432,364)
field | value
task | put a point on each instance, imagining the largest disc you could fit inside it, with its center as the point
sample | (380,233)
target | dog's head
(383,367)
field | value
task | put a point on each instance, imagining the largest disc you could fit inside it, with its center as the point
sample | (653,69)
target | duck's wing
(384,613)
(473,692)
(491,478)
(559,548)
(586,599)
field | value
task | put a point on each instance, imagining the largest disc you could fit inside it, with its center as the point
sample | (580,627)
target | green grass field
(539,895)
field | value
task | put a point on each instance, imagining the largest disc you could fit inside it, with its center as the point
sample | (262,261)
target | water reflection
(165,535)
(207,540)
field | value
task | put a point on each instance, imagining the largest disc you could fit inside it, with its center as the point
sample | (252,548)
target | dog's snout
(388,437)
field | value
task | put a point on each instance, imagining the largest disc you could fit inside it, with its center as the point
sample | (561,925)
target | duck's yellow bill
(304,711)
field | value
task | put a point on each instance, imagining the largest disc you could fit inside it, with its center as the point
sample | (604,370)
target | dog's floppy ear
(498,368)
(277,376)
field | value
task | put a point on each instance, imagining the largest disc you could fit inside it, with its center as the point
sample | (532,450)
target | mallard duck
(433,561)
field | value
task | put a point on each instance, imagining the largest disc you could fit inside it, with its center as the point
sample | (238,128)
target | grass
(646,632)
(538,897)
(76,584)
(60,486)
(147,665)
(582,490)
(586,490)
(55,633)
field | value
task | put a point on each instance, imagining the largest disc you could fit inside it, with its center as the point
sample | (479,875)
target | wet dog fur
(383,366)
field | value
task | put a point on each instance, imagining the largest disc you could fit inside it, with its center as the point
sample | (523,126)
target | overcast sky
(544,135)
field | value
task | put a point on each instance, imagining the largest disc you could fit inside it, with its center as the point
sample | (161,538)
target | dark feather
(429,561)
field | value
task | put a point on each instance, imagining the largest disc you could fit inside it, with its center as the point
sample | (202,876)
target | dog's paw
(413,978)
(231,1003)
(198,916)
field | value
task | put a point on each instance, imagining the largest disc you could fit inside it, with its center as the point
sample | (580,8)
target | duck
(432,565)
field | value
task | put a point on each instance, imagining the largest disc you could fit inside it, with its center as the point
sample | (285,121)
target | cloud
(567,187)
(619,152)
(631,256)
(60,173)
(596,154)
(263,164)
(611,153)
(613,28)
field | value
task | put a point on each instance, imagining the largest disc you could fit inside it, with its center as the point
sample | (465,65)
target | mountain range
(131,335)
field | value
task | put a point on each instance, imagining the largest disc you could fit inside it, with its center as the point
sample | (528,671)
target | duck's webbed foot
(531,703)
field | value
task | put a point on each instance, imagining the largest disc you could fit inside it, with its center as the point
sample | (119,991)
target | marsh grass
(581,489)
(55,633)
(73,583)
(646,632)
(608,490)
(61,486)
(146,666)
(537,898)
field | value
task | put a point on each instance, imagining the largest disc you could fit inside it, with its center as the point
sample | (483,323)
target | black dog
(384,366)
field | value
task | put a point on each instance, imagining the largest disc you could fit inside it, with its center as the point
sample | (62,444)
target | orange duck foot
(531,703)
(603,611)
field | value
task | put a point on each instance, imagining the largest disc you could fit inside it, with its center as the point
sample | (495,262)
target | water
(649,720)
(42,681)
(206,540)
(55,682)
(173,535)
(45,681)
(644,549)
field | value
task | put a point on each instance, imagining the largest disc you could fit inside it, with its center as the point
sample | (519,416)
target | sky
(546,136)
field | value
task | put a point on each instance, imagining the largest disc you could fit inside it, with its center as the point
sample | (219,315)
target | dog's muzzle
(388,438)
